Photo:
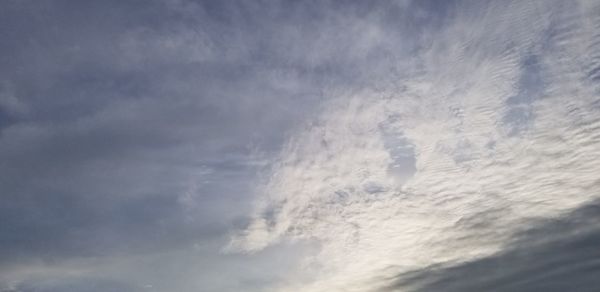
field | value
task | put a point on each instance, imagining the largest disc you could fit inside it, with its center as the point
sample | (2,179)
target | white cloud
(475,181)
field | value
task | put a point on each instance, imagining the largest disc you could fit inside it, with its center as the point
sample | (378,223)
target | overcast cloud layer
(179,145)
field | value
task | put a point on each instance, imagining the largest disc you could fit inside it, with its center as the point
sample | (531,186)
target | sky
(352,146)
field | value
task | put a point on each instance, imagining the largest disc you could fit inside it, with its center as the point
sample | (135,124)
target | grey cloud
(139,127)
(100,136)
(76,285)
(558,254)
(126,100)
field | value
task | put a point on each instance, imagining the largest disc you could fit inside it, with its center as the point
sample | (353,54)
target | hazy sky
(182,145)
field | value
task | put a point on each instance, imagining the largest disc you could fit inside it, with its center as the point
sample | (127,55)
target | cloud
(555,254)
(364,140)
(134,130)
(130,130)
(477,178)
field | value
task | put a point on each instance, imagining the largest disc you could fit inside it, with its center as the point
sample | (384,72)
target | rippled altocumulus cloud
(501,111)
